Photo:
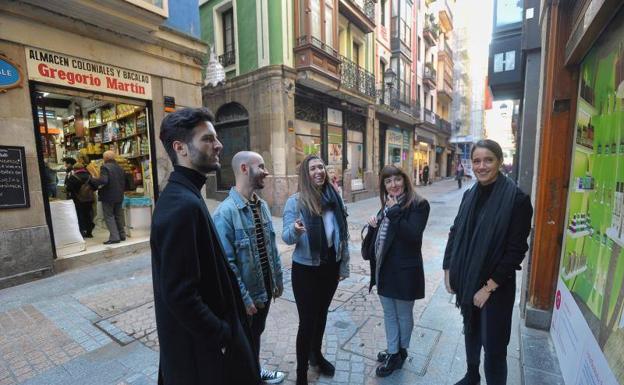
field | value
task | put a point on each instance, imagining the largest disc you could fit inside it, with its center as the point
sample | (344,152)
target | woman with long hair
(486,244)
(315,221)
(398,268)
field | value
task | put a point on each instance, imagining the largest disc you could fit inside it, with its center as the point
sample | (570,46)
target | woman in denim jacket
(315,220)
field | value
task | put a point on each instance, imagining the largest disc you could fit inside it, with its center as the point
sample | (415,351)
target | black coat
(75,180)
(111,183)
(401,275)
(199,310)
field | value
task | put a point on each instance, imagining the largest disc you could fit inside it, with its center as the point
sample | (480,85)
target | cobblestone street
(96,325)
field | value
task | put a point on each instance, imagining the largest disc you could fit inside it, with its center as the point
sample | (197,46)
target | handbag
(368,242)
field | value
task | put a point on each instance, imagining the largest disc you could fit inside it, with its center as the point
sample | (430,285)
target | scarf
(477,249)
(382,233)
(314,223)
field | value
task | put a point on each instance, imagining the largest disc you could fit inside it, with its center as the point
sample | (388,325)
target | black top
(255,205)
(517,234)
(198,179)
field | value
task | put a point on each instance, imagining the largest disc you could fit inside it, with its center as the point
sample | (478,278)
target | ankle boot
(472,376)
(392,363)
(325,367)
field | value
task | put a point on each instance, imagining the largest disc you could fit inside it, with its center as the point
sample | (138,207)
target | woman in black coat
(79,190)
(398,268)
(486,245)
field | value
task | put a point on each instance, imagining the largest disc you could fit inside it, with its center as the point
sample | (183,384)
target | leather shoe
(392,363)
(122,239)
(110,242)
(382,355)
(325,367)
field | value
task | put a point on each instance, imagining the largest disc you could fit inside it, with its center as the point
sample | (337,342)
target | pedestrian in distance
(111,185)
(83,195)
(315,221)
(425,174)
(459,173)
(245,228)
(200,316)
(398,265)
(486,244)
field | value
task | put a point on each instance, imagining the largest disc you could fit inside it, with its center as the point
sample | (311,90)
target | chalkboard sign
(13,180)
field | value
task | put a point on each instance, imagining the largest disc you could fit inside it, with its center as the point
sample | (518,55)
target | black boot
(472,376)
(392,363)
(302,377)
(382,355)
(324,367)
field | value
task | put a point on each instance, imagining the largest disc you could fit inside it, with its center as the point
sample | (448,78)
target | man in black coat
(111,184)
(200,316)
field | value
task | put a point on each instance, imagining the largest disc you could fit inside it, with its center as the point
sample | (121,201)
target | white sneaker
(271,376)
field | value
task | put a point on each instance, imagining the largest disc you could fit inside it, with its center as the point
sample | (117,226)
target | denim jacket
(235,226)
(302,249)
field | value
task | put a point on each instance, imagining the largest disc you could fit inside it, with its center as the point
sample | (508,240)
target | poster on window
(588,325)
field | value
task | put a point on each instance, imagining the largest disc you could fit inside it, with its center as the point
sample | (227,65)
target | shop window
(335,150)
(505,61)
(307,139)
(355,158)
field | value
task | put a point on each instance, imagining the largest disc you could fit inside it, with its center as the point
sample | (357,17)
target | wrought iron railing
(316,42)
(357,78)
(430,117)
(416,109)
(367,7)
(388,96)
(444,125)
(228,58)
(431,28)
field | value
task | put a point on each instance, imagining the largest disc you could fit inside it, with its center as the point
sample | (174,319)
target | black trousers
(314,287)
(257,323)
(491,329)
(84,210)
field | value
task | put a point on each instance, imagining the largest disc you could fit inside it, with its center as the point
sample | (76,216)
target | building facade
(74,85)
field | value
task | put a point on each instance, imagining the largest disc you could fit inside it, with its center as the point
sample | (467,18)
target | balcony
(388,97)
(446,54)
(446,16)
(429,76)
(389,103)
(227,59)
(416,109)
(317,63)
(356,78)
(430,33)
(430,117)
(444,126)
(445,92)
(360,12)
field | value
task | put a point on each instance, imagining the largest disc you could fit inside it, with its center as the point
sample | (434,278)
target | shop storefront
(75,97)
(396,146)
(588,316)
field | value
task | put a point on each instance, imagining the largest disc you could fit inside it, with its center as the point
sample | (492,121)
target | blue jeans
(399,322)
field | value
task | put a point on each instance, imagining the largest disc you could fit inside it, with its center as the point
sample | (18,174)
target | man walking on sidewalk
(200,316)
(244,225)
(111,184)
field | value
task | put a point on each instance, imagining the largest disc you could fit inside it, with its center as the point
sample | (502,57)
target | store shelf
(584,149)
(121,138)
(574,273)
(127,114)
(612,233)
(578,234)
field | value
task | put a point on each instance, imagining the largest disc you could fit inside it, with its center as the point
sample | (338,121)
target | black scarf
(479,241)
(314,223)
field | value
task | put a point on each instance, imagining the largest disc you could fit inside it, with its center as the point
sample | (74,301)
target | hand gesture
(372,221)
(391,201)
(299,227)
(251,309)
(481,297)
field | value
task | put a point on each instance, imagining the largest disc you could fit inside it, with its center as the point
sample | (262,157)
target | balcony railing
(444,126)
(416,109)
(316,42)
(366,6)
(357,78)
(388,97)
(228,58)
(430,117)
(429,73)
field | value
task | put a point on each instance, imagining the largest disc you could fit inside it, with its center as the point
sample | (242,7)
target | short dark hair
(491,145)
(70,160)
(179,126)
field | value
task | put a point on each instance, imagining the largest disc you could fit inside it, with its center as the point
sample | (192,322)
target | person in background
(486,244)
(83,195)
(200,316)
(425,174)
(459,173)
(50,179)
(333,179)
(69,163)
(111,185)
(245,227)
(315,221)
(399,272)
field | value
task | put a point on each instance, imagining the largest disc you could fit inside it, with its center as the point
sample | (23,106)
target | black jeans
(314,287)
(257,323)
(84,210)
(491,329)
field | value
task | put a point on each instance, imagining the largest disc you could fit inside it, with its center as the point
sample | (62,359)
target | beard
(256,179)
(203,162)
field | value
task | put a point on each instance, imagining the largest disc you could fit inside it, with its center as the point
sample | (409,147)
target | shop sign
(13,179)
(69,71)
(10,75)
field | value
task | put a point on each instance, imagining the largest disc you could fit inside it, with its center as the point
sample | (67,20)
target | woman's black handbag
(368,242)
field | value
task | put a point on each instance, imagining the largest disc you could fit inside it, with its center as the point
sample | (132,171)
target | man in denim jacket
(244,225)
